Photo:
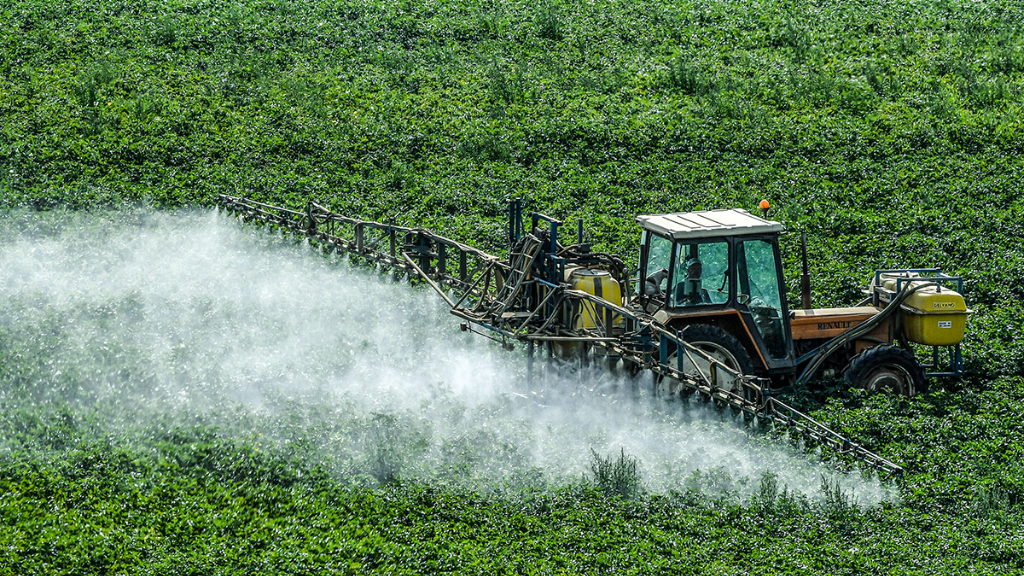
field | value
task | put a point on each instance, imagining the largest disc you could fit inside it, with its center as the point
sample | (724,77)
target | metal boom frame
(524,298)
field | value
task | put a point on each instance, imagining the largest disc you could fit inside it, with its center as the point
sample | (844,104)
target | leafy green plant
(549,21)
(690,78)
(992,502)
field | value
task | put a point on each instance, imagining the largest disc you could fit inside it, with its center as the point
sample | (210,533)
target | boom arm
(526,300)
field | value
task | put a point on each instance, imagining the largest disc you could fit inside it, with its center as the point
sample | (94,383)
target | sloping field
(155,421)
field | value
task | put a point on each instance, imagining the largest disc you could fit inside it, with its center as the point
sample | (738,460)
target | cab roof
(708,223)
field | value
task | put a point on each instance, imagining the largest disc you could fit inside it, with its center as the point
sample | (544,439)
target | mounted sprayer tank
(931,315)
(598,283)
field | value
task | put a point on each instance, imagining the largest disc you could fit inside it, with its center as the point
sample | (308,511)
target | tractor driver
(652,287)
(689,290)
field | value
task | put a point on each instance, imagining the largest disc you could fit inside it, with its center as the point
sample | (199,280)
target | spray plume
(165,319)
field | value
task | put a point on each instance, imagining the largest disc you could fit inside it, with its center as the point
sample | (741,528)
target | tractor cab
(720,268)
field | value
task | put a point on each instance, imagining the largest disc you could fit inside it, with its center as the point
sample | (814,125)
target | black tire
(720,345)
(886,368)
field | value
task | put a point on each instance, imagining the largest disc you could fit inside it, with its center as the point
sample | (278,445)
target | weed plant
(616,476)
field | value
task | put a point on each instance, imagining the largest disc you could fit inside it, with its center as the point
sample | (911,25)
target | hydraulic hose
(609,262)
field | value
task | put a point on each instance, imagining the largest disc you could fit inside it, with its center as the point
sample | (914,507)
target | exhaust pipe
(805,278)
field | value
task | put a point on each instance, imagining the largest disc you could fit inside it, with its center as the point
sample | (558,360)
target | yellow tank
(934,317)
(601,284)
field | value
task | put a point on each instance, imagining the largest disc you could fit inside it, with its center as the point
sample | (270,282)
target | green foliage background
(890,131)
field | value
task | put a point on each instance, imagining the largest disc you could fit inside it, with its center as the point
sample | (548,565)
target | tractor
(715,277)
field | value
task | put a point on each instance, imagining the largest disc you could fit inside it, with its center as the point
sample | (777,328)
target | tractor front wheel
(888,368)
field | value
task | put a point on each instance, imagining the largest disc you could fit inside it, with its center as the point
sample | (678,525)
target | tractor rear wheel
(718,344)
(888,368)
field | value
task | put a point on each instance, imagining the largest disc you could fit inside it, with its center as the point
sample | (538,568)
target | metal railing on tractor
(524,298)
(909,280)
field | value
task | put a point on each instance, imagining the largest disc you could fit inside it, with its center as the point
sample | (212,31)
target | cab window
(659,258)
(701,274)
(760,290)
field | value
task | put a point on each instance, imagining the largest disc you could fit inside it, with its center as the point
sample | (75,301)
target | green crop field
(891,132)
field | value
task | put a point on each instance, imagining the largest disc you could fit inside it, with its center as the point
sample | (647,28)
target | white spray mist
(190,317)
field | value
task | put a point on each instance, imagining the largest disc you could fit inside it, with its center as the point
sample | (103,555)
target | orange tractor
(716,278)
